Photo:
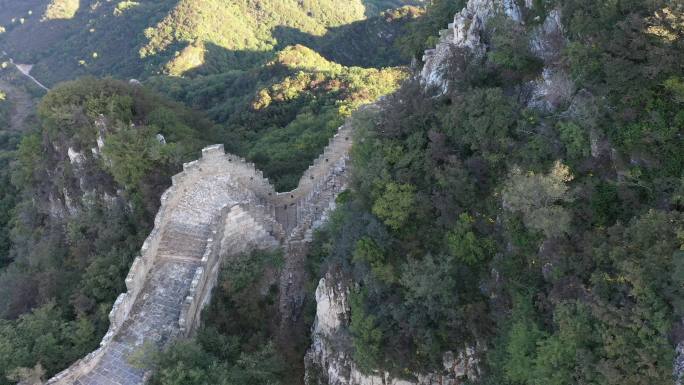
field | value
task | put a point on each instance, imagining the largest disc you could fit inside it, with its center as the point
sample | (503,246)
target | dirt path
(22,105)
(25,70)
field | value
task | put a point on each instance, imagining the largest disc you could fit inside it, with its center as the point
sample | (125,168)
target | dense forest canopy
(549,239)
(490,222)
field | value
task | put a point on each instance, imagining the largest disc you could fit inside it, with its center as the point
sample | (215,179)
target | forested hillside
(82,183)
(548,239)
(522,201)
(281,115)
(85,184)
(67,257)
(136,39)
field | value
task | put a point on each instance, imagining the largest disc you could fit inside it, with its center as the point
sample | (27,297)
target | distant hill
(66,39)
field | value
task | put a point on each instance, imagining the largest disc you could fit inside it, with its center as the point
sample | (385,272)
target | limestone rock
(678,367)
(548,39)
(329,360)
(551,90)
(466,31)
(75,157)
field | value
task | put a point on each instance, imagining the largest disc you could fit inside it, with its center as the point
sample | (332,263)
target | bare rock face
(75,157)
(548,38)
(551,90)
(329,360)
(86,183)
(467,31)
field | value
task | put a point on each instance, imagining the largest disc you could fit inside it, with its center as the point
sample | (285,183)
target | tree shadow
(364,43)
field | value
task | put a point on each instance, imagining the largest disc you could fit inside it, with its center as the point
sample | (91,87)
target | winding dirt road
(25,70)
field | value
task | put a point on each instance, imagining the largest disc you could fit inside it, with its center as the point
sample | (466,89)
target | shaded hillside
(137,38)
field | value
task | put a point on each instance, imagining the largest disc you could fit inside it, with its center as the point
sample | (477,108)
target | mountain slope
(138,38)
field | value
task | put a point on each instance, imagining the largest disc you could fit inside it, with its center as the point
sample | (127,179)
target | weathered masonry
(220,205)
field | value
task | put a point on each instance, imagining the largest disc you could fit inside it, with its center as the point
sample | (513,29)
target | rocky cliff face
(552,87)
(83,176)
(84,179)
(467,31)
(329,359)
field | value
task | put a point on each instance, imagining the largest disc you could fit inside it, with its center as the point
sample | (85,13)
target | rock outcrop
(678,365)
(550,90)
(329,360)
(467,31)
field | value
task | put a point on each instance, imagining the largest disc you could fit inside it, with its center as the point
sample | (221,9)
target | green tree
(539,199)
(367,336)
(510,47)
(521,342)
(483,120)
(132,152)
(395,204)
(465,245)
(368,251)
(575,138)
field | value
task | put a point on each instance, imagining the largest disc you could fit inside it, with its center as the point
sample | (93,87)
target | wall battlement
(219,205)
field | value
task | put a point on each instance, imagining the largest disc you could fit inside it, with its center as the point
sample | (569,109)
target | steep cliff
(89,178)
(471,30)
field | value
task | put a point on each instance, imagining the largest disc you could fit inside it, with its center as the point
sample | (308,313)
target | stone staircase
(183,242)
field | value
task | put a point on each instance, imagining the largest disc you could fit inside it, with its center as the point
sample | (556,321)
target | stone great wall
(218,206)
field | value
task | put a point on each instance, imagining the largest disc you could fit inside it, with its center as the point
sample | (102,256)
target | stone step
(179,258)
(184,240)
(187,230)
(185,247)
